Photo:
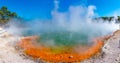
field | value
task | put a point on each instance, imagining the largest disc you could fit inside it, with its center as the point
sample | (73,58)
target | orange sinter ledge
(39,51)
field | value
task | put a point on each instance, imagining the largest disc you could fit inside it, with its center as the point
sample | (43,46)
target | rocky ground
(110,52)
(8,53)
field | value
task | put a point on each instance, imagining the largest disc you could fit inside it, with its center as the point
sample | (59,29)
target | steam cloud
(78,19)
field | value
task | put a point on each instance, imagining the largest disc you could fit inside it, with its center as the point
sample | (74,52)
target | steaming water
(59,38)
(65,38)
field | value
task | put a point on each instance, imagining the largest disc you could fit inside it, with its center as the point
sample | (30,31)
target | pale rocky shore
(8,53)
(110,53)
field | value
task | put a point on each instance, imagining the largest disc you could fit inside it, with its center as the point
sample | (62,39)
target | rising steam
(78,19)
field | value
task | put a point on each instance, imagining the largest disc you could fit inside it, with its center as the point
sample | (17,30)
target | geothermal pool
(61,40)
(59,54)
(62,46)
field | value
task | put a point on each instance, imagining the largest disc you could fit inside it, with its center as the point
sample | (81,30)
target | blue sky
(31,9)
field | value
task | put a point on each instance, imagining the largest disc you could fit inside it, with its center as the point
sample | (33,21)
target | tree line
(6,15)
(109,19)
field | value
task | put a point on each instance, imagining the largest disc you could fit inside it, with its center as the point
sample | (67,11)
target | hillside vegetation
(6,15)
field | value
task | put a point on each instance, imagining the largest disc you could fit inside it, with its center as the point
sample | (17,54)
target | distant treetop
(6,15)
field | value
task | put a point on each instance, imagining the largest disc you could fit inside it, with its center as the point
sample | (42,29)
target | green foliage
(6,15)
(118,18)
(109,19)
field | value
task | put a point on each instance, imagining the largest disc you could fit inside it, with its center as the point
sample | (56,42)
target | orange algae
(39,51)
